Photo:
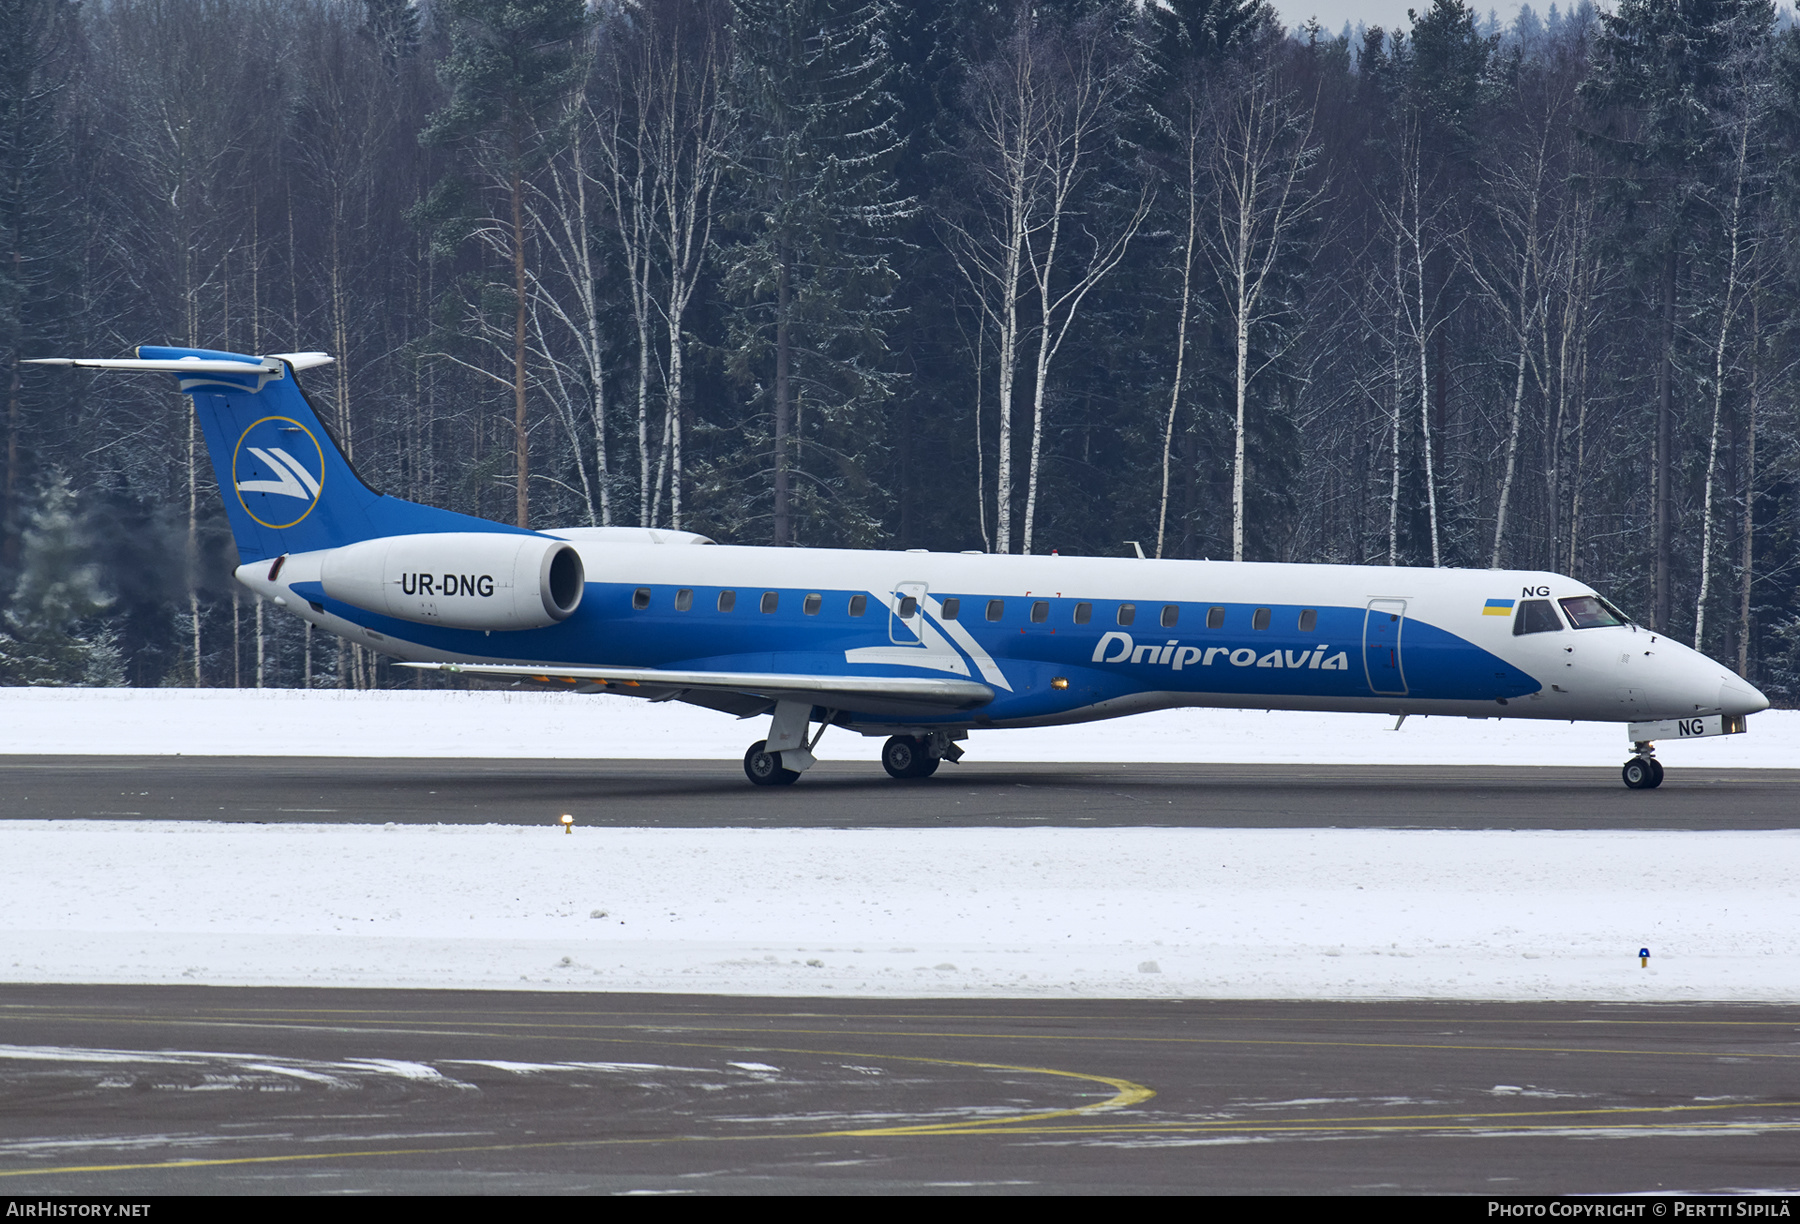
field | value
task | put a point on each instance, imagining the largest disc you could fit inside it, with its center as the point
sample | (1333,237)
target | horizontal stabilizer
(286,483)
(271,364)
(874,694)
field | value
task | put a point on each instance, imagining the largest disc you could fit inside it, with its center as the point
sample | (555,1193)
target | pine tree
(510,62)
(1659,68)
(1201,32)
(812,277)
(36,38)
(393,26)
(53,632)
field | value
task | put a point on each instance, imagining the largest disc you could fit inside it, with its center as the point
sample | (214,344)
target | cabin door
(1381,646)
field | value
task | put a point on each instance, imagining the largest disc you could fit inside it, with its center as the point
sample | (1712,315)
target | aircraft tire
(1656,773)
(905,757)
(764,767)
(1641,773)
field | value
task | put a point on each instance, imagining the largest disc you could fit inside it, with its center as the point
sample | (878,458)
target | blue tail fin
(287,487)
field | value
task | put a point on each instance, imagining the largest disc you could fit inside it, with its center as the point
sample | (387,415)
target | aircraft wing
(865,694)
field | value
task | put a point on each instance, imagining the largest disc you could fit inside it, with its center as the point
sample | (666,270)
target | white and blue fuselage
(921,646)
(1069,639)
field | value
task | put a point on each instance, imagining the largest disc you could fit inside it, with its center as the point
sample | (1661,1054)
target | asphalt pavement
(702,794)
(140,1090)
(179,1090)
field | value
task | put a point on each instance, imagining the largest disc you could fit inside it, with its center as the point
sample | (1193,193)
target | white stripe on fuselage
(931,650)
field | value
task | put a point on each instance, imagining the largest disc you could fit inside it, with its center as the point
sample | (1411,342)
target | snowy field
(1217,913)
(293,722)
(1035,912)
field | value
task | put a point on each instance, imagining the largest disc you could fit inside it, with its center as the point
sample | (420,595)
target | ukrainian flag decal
(1498,607)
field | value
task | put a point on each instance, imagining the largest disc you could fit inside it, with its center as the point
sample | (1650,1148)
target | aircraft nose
(1740,697)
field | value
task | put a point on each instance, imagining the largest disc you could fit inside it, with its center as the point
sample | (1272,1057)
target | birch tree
(1580,282)
(1739,119)
(1189,130)
(1513,265)
(1259,202)
(662,142)
(1190,39)
(1044,114)
(567,306)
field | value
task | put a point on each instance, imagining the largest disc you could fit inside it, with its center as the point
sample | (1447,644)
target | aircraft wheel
(1656,773)
(764,767)
(905,757)
(1641,773)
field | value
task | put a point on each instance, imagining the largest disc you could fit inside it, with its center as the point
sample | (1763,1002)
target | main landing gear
(1643,771)
(787,753)
(906,756)
(918,756)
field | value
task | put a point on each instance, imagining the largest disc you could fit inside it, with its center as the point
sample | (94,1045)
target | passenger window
(727,600)
(812,604)
(1040,611)
(1535,616)
(684,599)
(859,604)
(1588,612)
(1215,618)
(770,601)
(640,598)
(1260,620)
(1171,614)
(996,609)
(1084,612)
(909,607)
(951,608)
(1309,619)
(1127,613)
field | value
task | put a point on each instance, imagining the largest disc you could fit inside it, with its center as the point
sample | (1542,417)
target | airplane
(920,647)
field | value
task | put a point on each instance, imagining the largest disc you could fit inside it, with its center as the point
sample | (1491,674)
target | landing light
(1059,682)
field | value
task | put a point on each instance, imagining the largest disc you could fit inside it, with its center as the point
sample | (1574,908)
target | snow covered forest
(948,274)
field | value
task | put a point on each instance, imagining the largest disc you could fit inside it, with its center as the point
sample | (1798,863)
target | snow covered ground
(1217,913)
(294,722)
(1033,912)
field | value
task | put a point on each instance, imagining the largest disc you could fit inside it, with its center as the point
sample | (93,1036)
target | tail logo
(278,469)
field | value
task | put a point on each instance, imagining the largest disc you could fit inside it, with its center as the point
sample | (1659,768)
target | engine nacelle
(463,579)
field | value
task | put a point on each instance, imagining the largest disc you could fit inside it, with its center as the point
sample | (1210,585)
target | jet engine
(463,580)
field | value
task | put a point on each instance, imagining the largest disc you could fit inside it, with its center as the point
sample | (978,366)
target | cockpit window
(1592,612)
(1535,616)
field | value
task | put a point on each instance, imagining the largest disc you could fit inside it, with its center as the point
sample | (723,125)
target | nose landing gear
(1643,771)
(765,768)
